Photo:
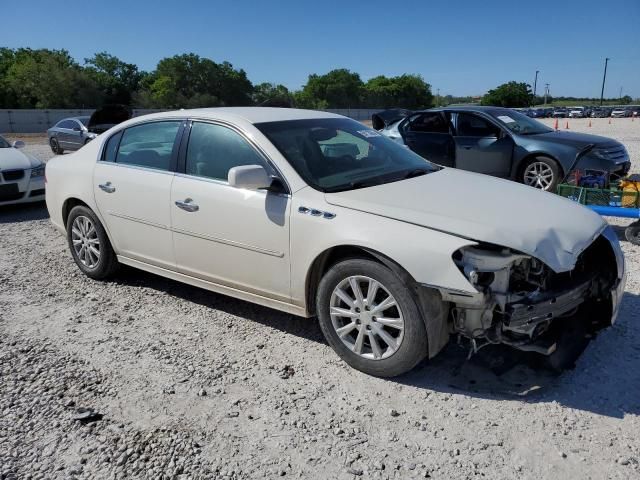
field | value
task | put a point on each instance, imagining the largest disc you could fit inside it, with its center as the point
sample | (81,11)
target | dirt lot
(190,384)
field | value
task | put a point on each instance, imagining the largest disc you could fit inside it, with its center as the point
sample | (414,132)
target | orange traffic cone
(567,125)
(555,125)
(589,123)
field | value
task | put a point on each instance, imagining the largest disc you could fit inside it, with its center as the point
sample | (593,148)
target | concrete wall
(38,121)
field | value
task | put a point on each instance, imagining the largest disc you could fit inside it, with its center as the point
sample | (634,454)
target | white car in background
(577,112)
(21,175)
(318,215)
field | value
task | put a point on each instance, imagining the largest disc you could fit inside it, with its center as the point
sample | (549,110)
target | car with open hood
(70,134)
(503,143)
(320,216)
(21,174)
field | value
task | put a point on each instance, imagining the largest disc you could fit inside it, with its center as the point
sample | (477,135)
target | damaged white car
(317,215)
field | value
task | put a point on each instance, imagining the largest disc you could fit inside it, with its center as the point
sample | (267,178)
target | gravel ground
(143,377)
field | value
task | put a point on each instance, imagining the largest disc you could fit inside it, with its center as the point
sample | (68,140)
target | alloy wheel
(366,317)
(85,241)
(538,175)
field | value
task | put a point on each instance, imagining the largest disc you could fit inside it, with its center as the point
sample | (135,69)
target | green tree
(404,91)
(189,80)
(116,79)
(337,89)
(48,79)
(511,94)
(270,94)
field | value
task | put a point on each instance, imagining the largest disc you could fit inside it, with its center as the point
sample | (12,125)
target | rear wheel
(369,317)
(89,244)
(55,146)
(542,173)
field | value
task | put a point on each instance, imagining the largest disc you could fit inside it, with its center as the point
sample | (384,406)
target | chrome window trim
(137,167)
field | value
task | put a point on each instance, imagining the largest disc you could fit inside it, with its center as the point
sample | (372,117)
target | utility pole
(604,77)
(437,97)
(620,95)
(535,84)
(546,93)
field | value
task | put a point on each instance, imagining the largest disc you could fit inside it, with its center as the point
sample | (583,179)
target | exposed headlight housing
(38,171)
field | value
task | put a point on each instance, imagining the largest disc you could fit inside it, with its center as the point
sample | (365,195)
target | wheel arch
(522,163)
(433,309)
(68,205)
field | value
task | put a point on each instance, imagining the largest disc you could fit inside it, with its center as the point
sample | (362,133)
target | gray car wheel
(89,244)
(370,318)
(55,146)
(542,173)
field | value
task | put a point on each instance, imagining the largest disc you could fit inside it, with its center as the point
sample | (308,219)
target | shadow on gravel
(300,327)
(24,212)
(605,381)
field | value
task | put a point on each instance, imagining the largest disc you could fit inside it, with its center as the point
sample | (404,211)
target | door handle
(467,147)
(107,187)
(187,205)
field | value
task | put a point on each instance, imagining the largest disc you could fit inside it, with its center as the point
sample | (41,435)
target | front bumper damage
(523,303)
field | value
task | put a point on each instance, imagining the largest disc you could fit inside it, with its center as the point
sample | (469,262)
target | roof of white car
(257,114)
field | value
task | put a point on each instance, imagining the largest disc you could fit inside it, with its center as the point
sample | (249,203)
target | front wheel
(89,244)
(542,173)
(369,317)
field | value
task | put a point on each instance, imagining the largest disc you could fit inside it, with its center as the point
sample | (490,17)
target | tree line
(44,78)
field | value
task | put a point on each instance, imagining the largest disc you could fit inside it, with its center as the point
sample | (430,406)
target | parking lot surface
(143,377)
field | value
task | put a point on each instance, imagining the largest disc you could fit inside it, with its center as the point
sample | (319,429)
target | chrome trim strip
(139,220)
(217,181)
(137,167)
(229,242)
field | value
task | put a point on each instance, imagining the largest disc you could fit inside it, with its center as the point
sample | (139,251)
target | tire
(55,146)
(542,173)
(383,361)
(632,233)
(84,226)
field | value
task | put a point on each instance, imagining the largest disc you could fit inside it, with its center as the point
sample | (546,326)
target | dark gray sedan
(503,143)
(70,134)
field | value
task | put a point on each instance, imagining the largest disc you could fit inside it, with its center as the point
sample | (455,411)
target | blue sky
(461,47)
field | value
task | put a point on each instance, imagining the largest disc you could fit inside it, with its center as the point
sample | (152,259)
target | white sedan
(315,214)
(21,175)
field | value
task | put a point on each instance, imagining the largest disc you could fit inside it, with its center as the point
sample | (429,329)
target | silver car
(70,134)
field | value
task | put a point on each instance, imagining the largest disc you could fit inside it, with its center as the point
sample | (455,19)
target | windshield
(84,120)
(335,154)
(518,123)
(4,143)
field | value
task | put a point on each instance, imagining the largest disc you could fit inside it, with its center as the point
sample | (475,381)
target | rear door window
(470,125)
(149,145)
(430,122)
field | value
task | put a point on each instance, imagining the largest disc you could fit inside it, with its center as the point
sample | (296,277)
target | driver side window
(469,125)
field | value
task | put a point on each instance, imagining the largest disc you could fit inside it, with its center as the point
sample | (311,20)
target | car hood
(14,159)
(485,209)
(573,138)
(106,117)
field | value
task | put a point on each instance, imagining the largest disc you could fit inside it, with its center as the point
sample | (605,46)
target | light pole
(604,77)
(546,92)
(535,84)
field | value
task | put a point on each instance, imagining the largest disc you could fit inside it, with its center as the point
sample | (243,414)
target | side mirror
(250,177)
(18,144)
(77,129)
